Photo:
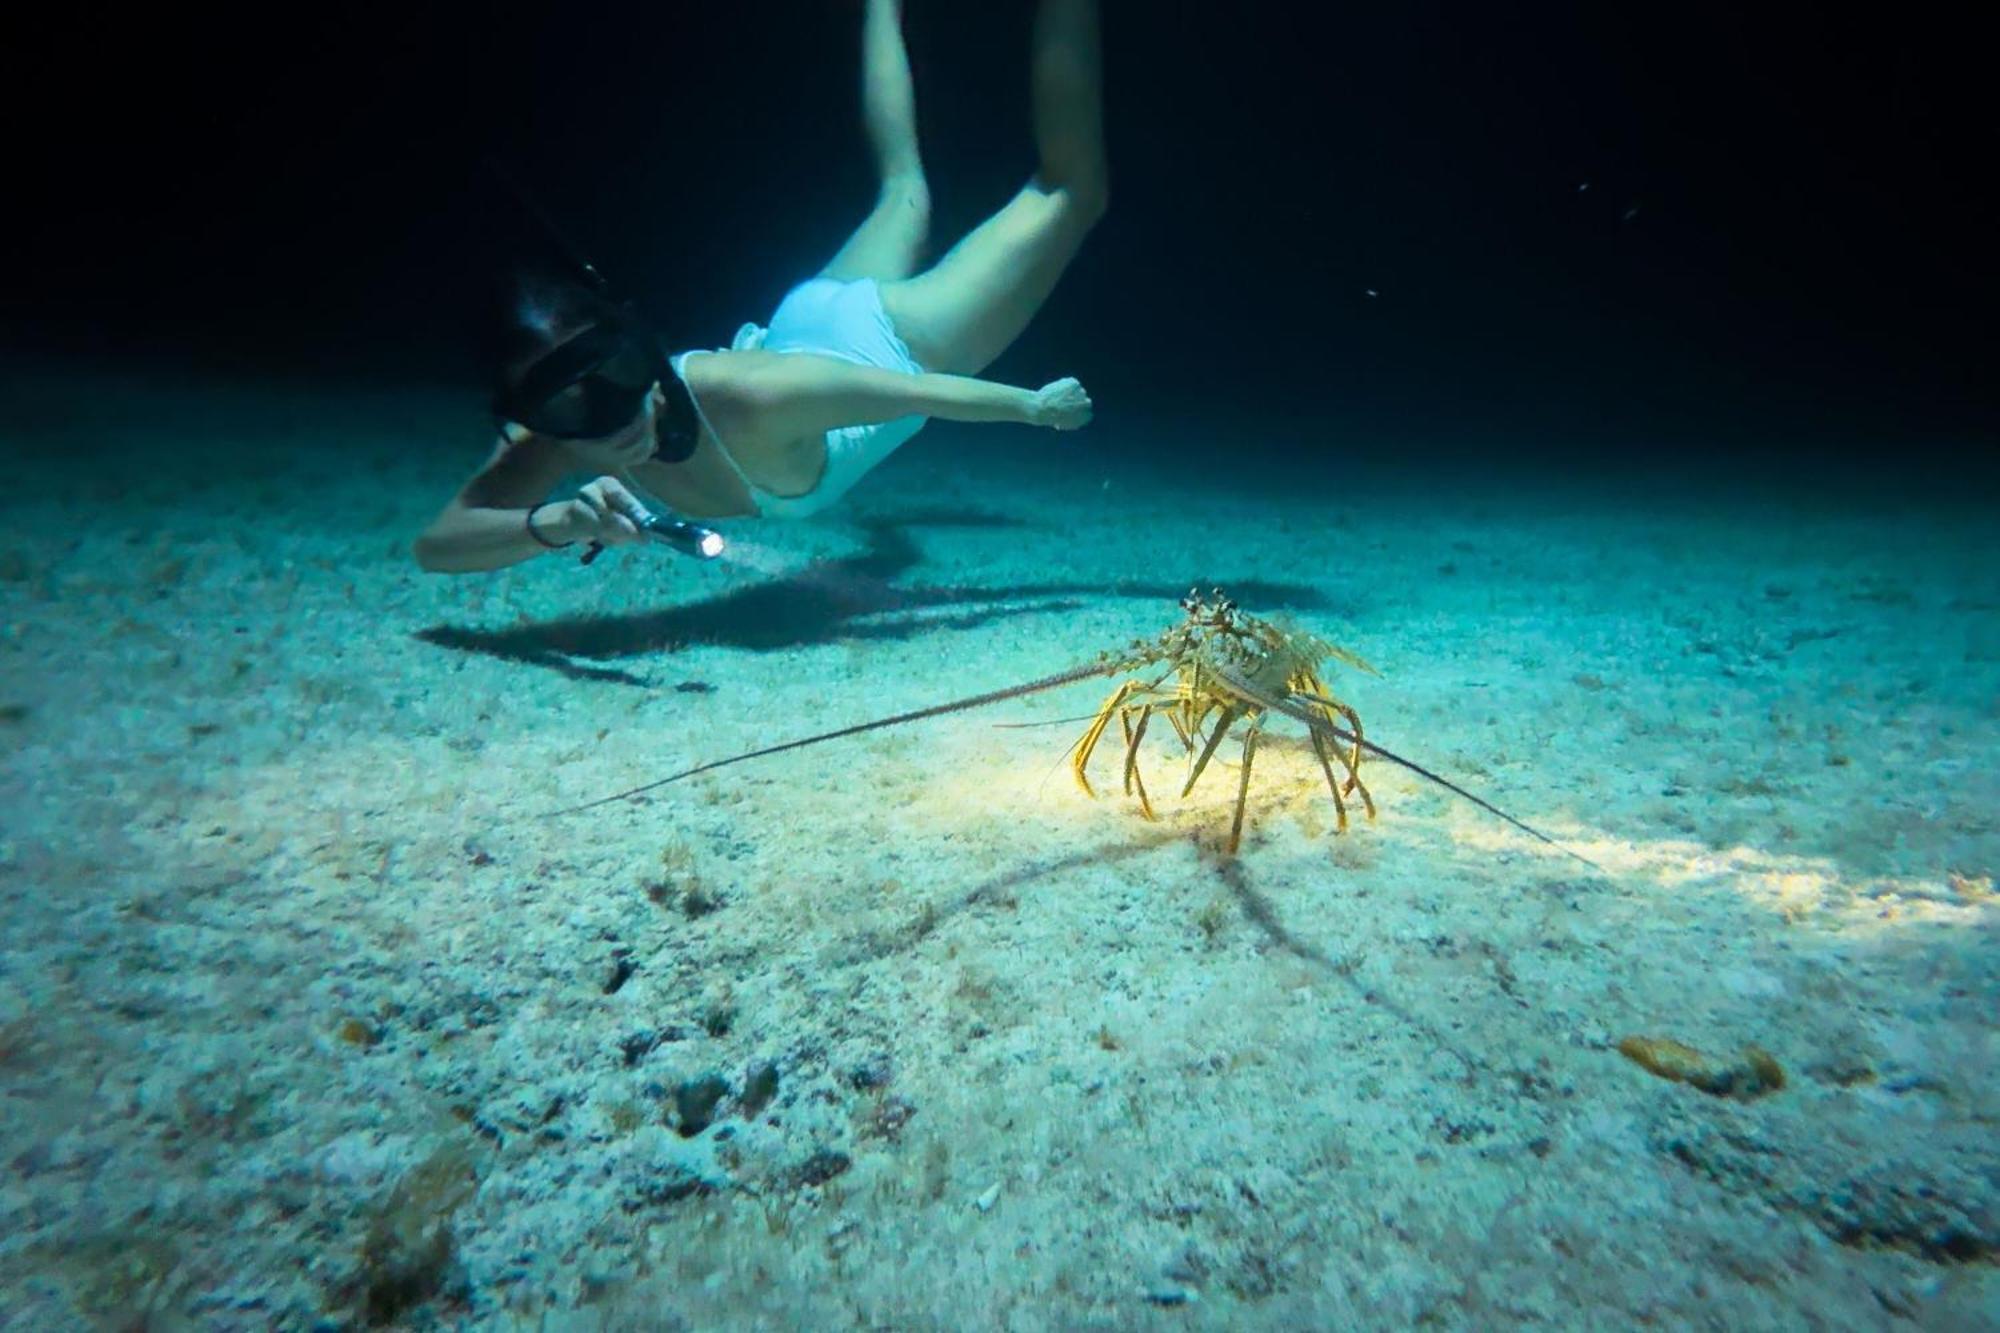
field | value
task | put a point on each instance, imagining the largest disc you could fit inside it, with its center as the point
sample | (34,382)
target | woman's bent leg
(967,309)
(889,244)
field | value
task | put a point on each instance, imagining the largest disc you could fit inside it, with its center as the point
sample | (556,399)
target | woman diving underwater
(852,364)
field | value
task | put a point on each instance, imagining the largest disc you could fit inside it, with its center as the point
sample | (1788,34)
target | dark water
(1576,232)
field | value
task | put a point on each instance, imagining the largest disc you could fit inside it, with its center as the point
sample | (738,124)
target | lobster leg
(1133,782)
(1354,782)
(1230,713)
(1318,700)
(1319,745)
(1243,786)
(1088,745)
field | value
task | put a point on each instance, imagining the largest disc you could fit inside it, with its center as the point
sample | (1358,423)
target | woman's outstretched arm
(802,394)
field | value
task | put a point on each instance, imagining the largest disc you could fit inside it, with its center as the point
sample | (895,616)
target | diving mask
(596,383)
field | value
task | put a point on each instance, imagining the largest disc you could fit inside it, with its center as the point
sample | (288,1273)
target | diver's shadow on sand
(852,597)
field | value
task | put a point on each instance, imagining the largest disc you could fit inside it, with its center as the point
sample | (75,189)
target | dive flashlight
(685,537)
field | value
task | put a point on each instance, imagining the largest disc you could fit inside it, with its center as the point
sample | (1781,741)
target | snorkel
(594,383)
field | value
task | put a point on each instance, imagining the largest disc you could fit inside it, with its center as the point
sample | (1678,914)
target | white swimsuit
(829,317)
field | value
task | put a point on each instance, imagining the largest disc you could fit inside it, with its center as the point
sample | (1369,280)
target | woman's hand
(602,512)
(1064,405)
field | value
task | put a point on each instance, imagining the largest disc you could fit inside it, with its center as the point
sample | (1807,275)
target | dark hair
(540,310)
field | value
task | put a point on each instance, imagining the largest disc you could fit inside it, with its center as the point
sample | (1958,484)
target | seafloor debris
(1752,1075)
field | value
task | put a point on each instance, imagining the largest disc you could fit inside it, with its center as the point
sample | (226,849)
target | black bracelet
(553,546)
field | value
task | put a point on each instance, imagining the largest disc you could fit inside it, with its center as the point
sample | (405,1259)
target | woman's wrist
(1029,407)
(572,520)
(552,524)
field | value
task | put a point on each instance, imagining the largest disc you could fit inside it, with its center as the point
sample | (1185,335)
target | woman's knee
(1081,200)
(1089,199)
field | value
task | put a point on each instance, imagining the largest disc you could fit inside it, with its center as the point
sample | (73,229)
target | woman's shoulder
(732,378)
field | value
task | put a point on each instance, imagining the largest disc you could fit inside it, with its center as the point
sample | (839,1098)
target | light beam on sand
(1790,885)
(756,557)
(817,573)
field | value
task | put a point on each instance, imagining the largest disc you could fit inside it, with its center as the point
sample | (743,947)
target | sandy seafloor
(311,1013)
